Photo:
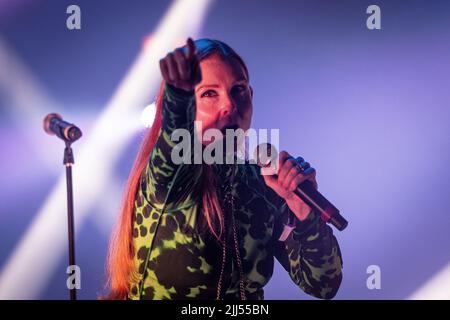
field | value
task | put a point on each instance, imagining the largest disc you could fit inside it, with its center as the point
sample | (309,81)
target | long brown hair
(121,270)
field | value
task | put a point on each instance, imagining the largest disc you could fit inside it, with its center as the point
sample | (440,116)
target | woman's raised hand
(180,68)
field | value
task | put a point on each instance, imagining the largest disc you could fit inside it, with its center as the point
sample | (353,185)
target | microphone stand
(68,163)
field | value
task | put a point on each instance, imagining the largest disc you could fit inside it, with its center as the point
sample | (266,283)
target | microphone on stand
(305,191)
(55,125)
(69,133)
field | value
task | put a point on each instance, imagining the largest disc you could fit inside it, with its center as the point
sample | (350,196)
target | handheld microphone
(55,125)
(305,191)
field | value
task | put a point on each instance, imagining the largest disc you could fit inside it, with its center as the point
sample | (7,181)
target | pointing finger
(190,49)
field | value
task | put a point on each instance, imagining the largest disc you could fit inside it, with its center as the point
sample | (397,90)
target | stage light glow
(148,115)
(437,288)
(35,258)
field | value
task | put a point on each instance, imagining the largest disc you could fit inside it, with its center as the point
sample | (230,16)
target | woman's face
(223,97)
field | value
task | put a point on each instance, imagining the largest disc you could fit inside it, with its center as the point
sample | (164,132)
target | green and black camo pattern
(174,261)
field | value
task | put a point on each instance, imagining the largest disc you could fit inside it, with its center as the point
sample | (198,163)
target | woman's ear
(251,91)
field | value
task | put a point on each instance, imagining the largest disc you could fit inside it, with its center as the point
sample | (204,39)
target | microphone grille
(46,122)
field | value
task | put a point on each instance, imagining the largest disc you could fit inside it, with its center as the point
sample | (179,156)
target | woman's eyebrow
(207,86)
(240,81)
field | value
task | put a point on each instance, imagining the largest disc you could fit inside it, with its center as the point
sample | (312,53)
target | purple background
(369,109)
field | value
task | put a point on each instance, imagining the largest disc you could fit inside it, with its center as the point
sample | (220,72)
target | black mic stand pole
(68,162)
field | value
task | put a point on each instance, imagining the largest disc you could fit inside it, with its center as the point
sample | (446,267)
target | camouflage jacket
(174,261)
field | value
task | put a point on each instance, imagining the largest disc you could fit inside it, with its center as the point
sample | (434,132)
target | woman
(212,231)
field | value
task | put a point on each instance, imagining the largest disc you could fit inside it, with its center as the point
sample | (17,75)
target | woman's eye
(240,89)
(209,93)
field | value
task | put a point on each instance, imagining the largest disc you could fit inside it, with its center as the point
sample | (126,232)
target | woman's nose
(228,106)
